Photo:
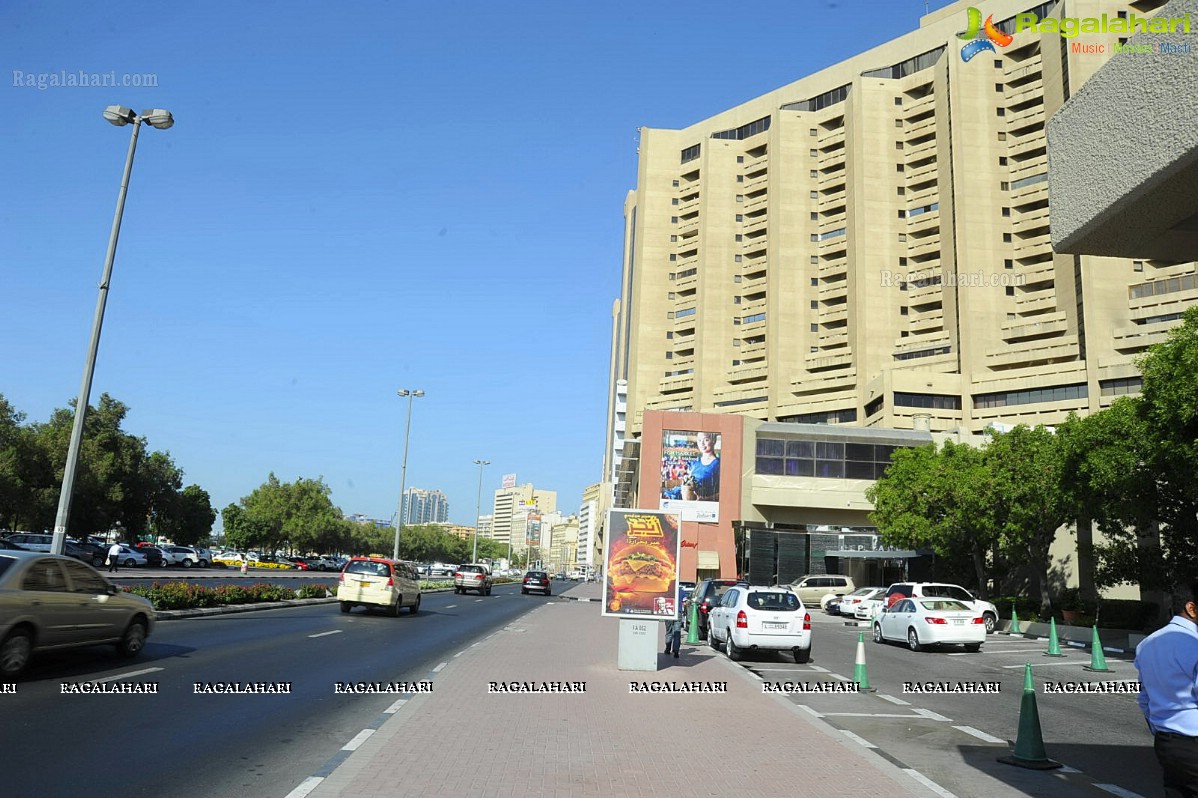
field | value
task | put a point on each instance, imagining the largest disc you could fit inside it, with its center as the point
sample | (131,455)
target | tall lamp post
(403,470)
(119,116)
(478,504)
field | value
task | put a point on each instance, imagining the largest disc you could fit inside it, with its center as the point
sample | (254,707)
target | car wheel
(203,563)
(734,653)
(415,608)
(186,563)
(488,590)
(878,633)
(15,652)
(97,562)
(711,640)
(912,639)
(547,593)
(130,564)
(346,606)
(134,639)
(991,622)
(802,655)
(524,591)
(973,647)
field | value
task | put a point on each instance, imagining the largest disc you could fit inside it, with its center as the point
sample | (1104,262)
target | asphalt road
(193,745)
(954,739)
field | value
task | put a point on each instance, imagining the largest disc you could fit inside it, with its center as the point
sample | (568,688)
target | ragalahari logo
(980,36)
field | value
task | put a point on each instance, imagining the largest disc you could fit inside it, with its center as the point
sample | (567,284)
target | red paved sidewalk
(463,741)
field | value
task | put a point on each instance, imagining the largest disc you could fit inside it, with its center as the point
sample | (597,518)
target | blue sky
(358,198)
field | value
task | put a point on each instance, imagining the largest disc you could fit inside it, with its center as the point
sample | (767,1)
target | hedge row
(186,596)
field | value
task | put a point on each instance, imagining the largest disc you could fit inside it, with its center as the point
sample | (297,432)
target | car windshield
(775,601)
(940,605)
(473,569)
(863,591)
(368,567)
(6,563)
(538,575)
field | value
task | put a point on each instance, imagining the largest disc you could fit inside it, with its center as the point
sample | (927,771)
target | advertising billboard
(532,531)
(690,474)
(641,564)
(509,480)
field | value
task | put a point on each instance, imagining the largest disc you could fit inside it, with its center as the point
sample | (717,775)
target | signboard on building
(690,474)
(641,564)
(509,480)
(532,531)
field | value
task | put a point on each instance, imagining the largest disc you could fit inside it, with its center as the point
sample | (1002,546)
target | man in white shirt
(114,557)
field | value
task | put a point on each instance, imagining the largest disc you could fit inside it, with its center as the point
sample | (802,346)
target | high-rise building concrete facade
(870,244)
(512,508)
(424,507)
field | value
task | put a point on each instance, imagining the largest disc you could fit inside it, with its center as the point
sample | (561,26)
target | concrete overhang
(1123,152)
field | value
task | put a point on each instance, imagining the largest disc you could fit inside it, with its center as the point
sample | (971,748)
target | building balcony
(925,323)
(920,128)
(925,294)
(757,183)
(831,179)
(1036,165)
(921,174)
(687,207)
(747,372)
(1036,245)
(917,107)
(1032,220)
(925,196)
(1022,93)
(830,138)
(753,286)
(1037,302)
(1038,272)
(755,244)
(676,383)
(687,226)
(753,350)
(818,361)
(1015,71)
(1029,194)
(1055,350)
(831,267)
(756,203)
(757,223)
(836,244)
(836,221)
(832,199)
(827,160)
(922,222)
(835,290)
(756,164)
(690,281)
(919,151)
(1051,324)
(833,340)
(1026,144)
(923,246)
(814,383)
(1025,118)
(834,314)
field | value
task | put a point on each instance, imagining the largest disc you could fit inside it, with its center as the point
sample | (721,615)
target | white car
(185,556)
(760,618)
(850,601)
(902,590)
(130,558)
(868,609)
(923,622)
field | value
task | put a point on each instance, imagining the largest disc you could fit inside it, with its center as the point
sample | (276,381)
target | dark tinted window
(45,575)
(368,567)
(84,579)
(473,569)
(778,602)
(5,564)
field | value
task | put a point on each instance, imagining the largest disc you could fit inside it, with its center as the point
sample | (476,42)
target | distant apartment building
(596,500)
(421,506)
(514,512)
(485,526)
(870,244)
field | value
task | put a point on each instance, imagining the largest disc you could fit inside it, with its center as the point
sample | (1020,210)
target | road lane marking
(981,735)
(128,675)
(305,787)
(326,634)
(450,606)
(839,677)
(894,700)
(359,738)
(930,715)
(391,710)
(439,667)
(868,715)
(809,710)
(1067,769)
(460,653)
(818,669)
(857,739)
(1039,664)
(931,785)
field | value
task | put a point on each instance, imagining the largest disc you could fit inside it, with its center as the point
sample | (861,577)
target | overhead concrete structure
(1123,150)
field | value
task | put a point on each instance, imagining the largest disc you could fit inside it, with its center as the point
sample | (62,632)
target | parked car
(868,609)
(924,622)
(813,590)
(32,541)
(473,576)
(299,562)
(5,545)
(155,557)
(902,590)
(36,588)
(536,580)
(129,558)
(706,597)
(848,603)
(760,618)
(322,564)
(379,582)
(184,556)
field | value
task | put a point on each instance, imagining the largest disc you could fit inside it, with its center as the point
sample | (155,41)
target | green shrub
(315,591)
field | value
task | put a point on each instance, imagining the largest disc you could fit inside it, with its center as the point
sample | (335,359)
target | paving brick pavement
(464,741)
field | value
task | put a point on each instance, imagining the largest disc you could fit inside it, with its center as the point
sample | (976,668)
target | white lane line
(1067,769)
(326,634)
(894,700)
(391,710)
(867,715)
(128,675)
(788,670)
(1040,650)
(306,786)
(931,785)
(818,669)
(930,715)
(839,677)
(981,735)
(460,653)
(439,667)
(359,738)
(857,739)
(1040,664)
(450,606)
(476,601)
(809,710)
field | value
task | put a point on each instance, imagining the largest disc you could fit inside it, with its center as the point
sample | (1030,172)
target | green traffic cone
(692,631)
(1054,645)
(1029,744)
(860,675)
(1014,630)
(1097,658)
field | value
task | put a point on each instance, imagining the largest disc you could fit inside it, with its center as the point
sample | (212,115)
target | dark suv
(536,580)
(707,597)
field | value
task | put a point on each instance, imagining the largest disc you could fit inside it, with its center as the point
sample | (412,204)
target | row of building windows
(1121,387)
(829,417)
(1059,393)
(918,353)
(823,459)
(931,400)
(828,98)
(744,131)
(690,153)
(1028,181)
(1186,282)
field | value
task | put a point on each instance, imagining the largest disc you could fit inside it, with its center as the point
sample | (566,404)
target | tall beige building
(871,243)
(509,521)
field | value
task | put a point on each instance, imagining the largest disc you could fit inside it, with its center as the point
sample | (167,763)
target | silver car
(49,602)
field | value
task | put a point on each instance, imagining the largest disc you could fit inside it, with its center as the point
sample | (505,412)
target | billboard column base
(641,643)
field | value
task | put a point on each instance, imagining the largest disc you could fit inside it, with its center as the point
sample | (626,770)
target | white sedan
(929,622)
(850,601)
(760,618)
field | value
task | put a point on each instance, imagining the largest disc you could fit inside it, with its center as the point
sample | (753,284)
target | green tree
(939,499)
(187,520)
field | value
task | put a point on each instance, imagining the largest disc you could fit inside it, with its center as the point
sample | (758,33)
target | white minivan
(379,582)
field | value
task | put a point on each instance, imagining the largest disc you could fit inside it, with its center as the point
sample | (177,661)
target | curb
(171,615)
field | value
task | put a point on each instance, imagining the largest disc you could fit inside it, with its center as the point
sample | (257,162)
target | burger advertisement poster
(690,475)
(641,564)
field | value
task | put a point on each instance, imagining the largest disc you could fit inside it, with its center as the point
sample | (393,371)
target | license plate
(768,625)
(364,584)
(958,622)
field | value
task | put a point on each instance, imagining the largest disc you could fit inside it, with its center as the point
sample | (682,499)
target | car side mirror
(112,589)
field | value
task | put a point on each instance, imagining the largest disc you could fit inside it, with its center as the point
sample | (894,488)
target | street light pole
(119,116)
(478,505)
(403,471)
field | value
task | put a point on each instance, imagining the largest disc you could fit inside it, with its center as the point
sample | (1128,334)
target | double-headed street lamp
(119,116)
(403,471)
(478,505)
